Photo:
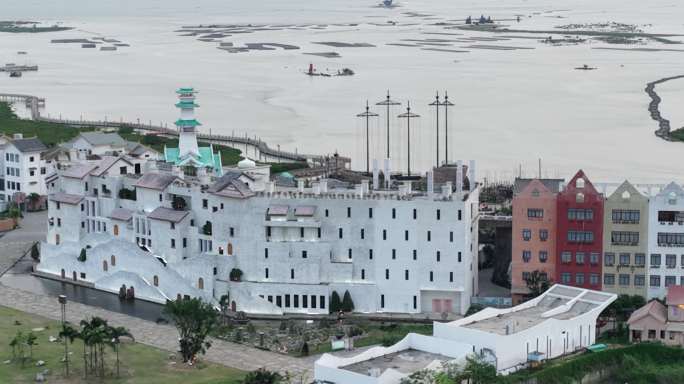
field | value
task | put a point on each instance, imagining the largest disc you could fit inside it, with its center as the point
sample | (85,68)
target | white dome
(246,163)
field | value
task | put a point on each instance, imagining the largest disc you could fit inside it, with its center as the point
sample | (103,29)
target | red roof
(675,295)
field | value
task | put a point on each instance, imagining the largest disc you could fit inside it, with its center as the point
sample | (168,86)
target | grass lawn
(49,133)
(139,363)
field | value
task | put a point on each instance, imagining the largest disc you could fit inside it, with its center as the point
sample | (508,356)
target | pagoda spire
(187,124)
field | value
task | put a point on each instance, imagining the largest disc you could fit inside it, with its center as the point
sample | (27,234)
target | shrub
(347,302)
(474,308)
(82,256)
(125,130)
(35,252)
(127,194)
(262,376)
(235,274)
(335,303)
(391,339)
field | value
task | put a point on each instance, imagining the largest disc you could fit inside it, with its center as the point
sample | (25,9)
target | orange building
(534,232)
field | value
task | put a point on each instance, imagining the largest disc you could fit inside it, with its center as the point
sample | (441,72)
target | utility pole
(388,102)
(408,116)
(367,114)
(446,105)
(436,104)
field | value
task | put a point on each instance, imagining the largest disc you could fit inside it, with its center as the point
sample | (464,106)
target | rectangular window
(339,232)
(535,213)
(301,232)
(624,238)
(394,213)
(626,216)
(670,281)
(625,259)
(382,301)
(265,253)
(670,261)
(415,213)
(459,256)
(543,234)
(313,301)
(327,213)
(639,280)
(321,301)
(406,274)
(608,279)
(526,256)
(305,301)
(594,258)
(415,302)
(451,277)
(579,258)
(319,232)
(580,214)
(609,259)
(304,255)
(349,253)
(266,272)
(624,280)
(594,278)
(543,256)
(394,254)
(386,274)
(363,274)
(185,242)
(654,281)
(370,254)
(566,257)
(384,234)
(525,276)
(415,254)
(566,277)
(670,239)
(296,301)
(584,237)
(459,215)
(432,276)
(348,211)
(579,278)
(370,213)
(451,236)
(429,236)
(205,203)
(439,256)
(287,301)
(439,214)
(655,260)
(279,301)
(526,234)
(406,235)
(363,234)
(173,243)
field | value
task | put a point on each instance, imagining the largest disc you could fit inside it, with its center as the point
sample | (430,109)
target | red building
(579,242)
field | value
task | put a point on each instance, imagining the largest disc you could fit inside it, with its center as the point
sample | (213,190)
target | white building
(394,250)
(665,262)
(97,143)
(560,321)
(23,168)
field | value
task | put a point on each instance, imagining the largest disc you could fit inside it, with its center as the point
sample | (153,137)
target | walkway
(16,243)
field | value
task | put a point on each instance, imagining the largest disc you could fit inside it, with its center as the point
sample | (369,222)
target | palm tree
(115,334)
(68,333)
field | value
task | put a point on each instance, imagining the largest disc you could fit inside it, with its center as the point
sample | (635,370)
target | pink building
(533,233)
(656,322)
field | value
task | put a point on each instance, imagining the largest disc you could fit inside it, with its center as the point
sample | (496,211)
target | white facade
(665,260)
(23,169)
(560,321)
(393,250)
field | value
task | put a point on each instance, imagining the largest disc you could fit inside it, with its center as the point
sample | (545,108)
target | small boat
(21,53)
(387,3)
(15,74)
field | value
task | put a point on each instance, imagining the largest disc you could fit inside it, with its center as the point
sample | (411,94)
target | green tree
(224,303)
(68,333)
(14,213)
(82,255)
(537,282)
(194,320)
(31,342)
(474,308)
(262,376)
(115,335)
(335,302)
(347,302)
(478,371)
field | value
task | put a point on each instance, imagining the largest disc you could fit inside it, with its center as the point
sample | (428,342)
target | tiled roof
(99,138)
(305,210)
(29,145)
(553,185)
(653,308)
(167,214)
(106,163)
(122,214)
(66,198)
(230,185)
(79,171)
(278,210)
(675,295)
(158,181)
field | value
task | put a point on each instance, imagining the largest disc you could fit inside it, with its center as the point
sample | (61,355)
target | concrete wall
(671,198)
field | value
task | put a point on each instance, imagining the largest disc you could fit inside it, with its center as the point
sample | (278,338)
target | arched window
(104,265)
(580,197)
(113,260)
(672,198)
(116,229)
(626,195)
(579,183)
(230,248)
(200,283)
(156,280)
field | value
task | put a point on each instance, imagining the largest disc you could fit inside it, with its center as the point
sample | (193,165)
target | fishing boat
(15,74)
(387,3)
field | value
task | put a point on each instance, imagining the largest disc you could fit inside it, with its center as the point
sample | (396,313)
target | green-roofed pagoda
(189,155)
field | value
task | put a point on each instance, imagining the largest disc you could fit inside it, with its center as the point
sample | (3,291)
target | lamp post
(62,299)
(367,115)
(408,116)
(388,102)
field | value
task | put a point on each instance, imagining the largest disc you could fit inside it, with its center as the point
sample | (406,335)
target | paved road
(15,244)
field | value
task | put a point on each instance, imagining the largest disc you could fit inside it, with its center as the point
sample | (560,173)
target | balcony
(292,223)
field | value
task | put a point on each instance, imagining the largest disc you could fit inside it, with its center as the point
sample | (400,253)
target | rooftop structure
(562,320)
